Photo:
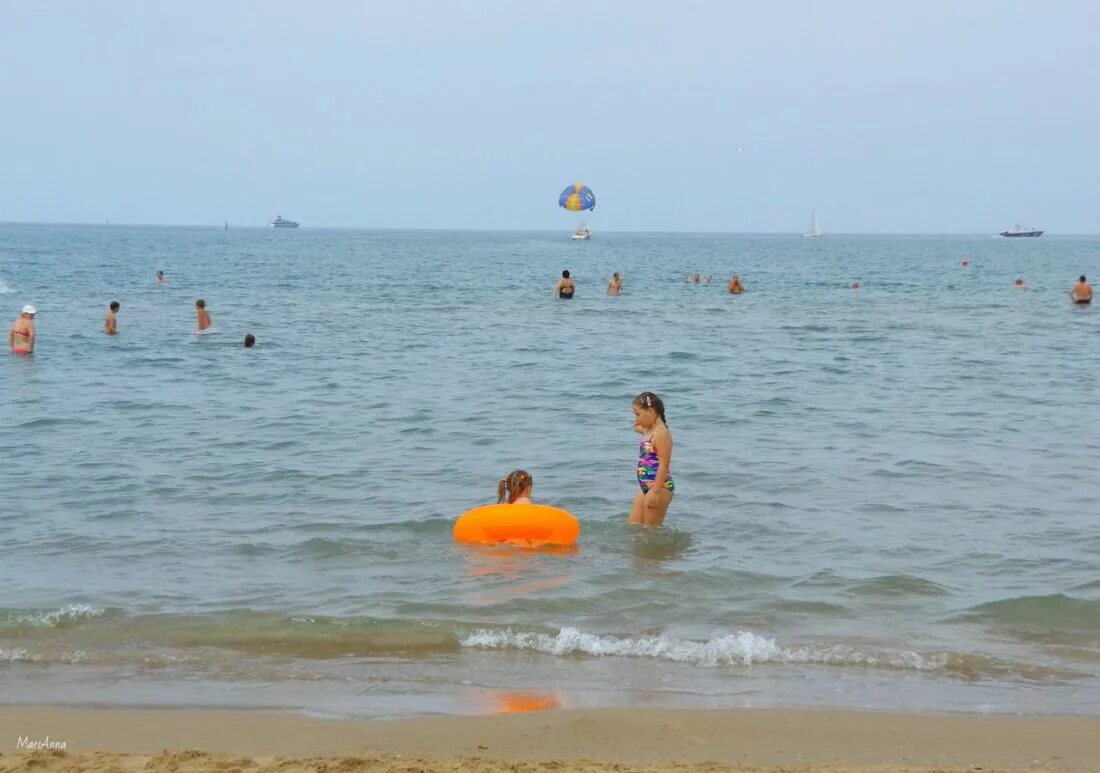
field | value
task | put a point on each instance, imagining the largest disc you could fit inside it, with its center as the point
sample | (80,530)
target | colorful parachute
(577,198)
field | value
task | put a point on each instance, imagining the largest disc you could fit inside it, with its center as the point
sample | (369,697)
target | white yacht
(281,222)
(814,229)
(1020,230)
(582,232)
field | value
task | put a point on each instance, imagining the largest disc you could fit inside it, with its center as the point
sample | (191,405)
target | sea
(886,498)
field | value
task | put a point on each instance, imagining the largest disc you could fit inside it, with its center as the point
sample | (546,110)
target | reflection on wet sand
(523,702)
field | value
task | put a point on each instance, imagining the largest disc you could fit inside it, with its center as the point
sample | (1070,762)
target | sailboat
(814,229)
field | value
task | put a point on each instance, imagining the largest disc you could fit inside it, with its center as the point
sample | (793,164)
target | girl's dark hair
(650,400)
(514,485)
(200,303)
(565,274)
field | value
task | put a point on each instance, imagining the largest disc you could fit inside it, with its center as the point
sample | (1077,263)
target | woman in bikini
(565,287)
(21,335)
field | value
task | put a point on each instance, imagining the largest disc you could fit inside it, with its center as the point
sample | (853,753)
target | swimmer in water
(565,287)
(204,316)
(707,280)
(855,285)
(735,287)
(21,336)
(1081,292)
(249,341)
(516,488)
(698,279)
(160,277)
(1019,284)
(615,286)
(110,324)
(654,456)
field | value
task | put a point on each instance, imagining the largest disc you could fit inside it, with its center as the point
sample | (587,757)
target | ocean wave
(22,655)
(898,585)
(743,648)
(1056,618)
(64,617)
(4,289)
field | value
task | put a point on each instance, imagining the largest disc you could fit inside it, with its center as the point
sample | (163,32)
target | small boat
(582,232)
(1019,230)
(281,222)
(814,229)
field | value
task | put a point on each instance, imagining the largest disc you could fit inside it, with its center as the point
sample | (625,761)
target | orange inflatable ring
(530,525)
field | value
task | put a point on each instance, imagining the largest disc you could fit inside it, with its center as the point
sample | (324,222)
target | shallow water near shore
(886,497)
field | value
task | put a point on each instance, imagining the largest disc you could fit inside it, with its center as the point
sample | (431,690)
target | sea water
(885,498)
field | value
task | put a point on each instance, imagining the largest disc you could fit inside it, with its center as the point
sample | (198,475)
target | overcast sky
(962,116)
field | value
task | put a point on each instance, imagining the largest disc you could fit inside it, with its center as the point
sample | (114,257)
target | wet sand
(573,740)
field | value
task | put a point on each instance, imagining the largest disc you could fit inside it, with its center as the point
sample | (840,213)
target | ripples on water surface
(886,497)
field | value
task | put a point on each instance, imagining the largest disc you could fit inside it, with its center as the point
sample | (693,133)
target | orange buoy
(528,525)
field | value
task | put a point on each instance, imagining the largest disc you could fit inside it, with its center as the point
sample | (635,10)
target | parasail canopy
(577,198)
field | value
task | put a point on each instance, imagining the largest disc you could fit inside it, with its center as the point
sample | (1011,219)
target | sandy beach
(632,739)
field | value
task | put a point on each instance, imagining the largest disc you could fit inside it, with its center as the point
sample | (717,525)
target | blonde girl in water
(654,456)
(515,488)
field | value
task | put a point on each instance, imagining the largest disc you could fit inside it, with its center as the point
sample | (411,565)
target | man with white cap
(21,335)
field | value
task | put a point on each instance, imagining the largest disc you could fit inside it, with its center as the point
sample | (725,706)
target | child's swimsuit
(647,467)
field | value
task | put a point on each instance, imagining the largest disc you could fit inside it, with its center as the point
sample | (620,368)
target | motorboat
(1019,230)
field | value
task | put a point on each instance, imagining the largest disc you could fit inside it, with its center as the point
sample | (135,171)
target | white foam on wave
(743,648)
(52,618)
(20,655)
(4,289)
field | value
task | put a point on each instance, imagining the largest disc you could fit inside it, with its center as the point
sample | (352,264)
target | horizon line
(213,226)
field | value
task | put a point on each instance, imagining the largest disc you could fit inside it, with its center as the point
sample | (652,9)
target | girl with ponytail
(654,457)
(516,488)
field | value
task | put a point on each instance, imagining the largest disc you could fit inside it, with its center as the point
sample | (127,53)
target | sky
(927,116)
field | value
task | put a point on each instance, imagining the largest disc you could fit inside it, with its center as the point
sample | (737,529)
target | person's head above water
(516,484)
(200,303)
(648,407)
(1019,282)
(615,275)
(114,306)
(1082,278)
(249,341)
(565,274)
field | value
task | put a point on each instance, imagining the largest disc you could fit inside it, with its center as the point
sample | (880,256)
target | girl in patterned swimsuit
(654,455)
